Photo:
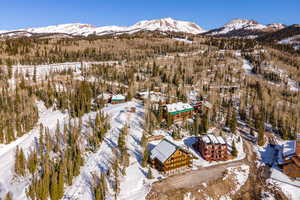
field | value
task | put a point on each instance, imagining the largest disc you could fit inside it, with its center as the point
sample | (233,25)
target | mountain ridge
(78,29)
(245,28)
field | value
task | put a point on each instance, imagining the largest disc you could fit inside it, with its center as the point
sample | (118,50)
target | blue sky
(208,14)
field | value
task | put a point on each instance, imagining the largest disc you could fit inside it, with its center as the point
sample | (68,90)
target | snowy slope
(77,29)
(291,40)
(48,118)
(168,24)
(134,185)
(245,27)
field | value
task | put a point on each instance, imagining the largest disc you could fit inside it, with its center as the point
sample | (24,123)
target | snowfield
(240,175)
(290,40)
(134,185)
(43,70)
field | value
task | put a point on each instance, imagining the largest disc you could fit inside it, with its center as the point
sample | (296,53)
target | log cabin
(169,158)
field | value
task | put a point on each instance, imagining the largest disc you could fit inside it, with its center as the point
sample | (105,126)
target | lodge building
(290,159)
(212,148)
(116,99)
(169,158)
(178,111)
(201,106)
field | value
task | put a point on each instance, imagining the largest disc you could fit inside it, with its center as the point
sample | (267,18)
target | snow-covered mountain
(244,28)
(77,29)
(168,24)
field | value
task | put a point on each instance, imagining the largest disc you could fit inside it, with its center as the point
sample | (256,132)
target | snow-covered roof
(212,139)
(179,106)
(207,104)
(163,150)
(104,96)
(205,139)
(153,96)
(221,140)
(118,97)
(279,176)
(289,148)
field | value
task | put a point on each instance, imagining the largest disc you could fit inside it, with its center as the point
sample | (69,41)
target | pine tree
(145,158)
(261,135)
(234,151)
(34,75)
(8,196)
(124,171)
(149,174)
(233,123)
(204,124)
(53,187)
(20,166)
(60,184)
(143,140)
(32,162)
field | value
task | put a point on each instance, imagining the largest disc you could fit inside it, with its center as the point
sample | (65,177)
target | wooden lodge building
(201,106)
(290,160)
(178,111)
(169,158)
(212,148)
(116,99)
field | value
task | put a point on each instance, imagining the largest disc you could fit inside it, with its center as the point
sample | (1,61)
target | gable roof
(163,150)
(176,108)
(289,148)
(118,97)
(212,139)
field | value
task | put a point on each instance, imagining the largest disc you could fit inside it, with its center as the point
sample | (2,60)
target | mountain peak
(277,25)
(243,23)
(169,24)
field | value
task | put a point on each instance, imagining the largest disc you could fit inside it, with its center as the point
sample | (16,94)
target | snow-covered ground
(43,70)
(183,40)
(247,66)
(291,84)
(240,175)
(290,191)
(8,182)
(290,40)
(134,185)
(267,155)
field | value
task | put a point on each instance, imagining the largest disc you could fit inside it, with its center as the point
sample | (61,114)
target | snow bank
(240,176)
(292,192)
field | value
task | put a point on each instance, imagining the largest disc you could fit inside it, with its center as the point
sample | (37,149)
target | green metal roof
(181,111)
(118,99)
